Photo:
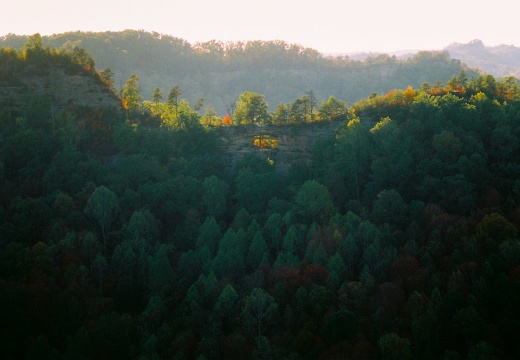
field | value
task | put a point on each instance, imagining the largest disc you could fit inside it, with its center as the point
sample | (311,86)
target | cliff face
(61,87)
(293,143)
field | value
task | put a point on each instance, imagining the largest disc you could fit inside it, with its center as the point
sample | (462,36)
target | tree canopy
(134,237)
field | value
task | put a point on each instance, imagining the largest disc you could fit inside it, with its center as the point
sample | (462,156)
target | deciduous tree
(251,108)
(103,206)
(259,312)
(353,153)
(313,201)
(394,347)
(332,110)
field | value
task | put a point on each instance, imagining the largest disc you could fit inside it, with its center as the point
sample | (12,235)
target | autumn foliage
(226,120)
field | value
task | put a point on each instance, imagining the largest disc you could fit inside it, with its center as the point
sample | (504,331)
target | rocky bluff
(284,145)
(61,87)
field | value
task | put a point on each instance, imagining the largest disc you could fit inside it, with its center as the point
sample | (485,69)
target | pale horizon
(329,26)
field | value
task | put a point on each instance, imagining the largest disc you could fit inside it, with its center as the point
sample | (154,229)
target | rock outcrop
(61,87)
(293,143)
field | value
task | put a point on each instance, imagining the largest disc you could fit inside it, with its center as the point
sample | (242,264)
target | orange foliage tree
(226,120)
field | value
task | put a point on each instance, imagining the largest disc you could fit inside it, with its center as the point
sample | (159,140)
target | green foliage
(215,195)
(228,264)
(142,228)
(399,239)
(482,350)
(495,226)
(209,234)
(83,58)
(389,208)
(131,94)
(103,206)
(447,145)
(340,326)
(353,154)
(225,305)
(282,114)
(253,190)
(259,312)
(313,202)
(332,110)
(258,253)
(161,272)
(26,149)
(251,108)
(392,346)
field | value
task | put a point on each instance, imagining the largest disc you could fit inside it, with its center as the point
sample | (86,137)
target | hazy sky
(325,25)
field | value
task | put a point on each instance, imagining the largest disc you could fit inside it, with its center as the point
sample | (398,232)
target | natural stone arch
(265,141)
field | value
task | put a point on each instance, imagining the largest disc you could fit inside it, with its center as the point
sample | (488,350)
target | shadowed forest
(123,236)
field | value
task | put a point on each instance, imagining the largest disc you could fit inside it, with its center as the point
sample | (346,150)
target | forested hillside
(500,61)
(220,72)
(38,82)
(127,238)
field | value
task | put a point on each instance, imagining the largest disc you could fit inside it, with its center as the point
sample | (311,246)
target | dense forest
(123,236)
(219,72)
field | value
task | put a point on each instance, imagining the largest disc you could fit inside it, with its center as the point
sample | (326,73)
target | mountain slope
(41,84)
(220,72)
(502,60)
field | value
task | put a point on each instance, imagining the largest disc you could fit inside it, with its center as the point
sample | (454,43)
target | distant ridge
(362,56)
(219,72)
(501,60)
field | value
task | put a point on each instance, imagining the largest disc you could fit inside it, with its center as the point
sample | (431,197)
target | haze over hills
(219,72)
(501,60)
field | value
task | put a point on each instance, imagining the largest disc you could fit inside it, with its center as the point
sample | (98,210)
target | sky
(329,26)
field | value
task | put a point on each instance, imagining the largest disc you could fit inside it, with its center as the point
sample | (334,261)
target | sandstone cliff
(294,143)
(59,86)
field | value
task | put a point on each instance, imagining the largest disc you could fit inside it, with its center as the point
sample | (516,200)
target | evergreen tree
(161,272)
